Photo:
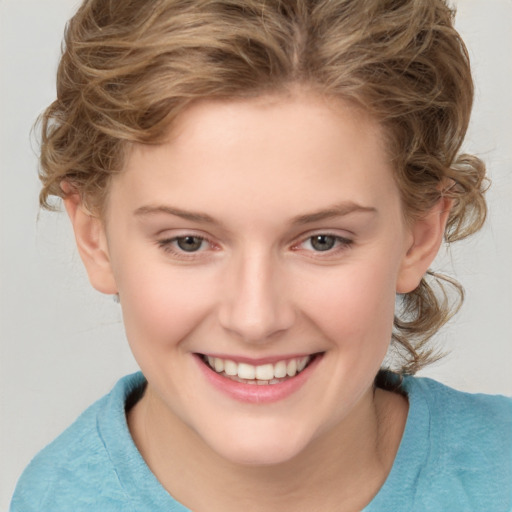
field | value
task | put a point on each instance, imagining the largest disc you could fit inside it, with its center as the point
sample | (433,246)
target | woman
(257,182)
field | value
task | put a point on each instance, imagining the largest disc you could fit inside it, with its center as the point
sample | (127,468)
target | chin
(259,448)
(259,456)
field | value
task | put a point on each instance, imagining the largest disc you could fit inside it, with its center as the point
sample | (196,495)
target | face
(257,254)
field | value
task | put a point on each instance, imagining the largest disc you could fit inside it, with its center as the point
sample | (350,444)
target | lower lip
(255,393)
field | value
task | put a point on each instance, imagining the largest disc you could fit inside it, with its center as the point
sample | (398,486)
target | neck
(341,469)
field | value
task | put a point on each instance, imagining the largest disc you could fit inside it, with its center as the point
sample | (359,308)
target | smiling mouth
(264,374)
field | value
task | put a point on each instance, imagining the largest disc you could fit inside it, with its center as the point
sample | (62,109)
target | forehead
(281,152)
(280,124)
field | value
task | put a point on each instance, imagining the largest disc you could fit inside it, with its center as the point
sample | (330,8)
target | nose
(256,305)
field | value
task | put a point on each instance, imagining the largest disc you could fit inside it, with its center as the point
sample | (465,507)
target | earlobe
(427,235)
(91,242)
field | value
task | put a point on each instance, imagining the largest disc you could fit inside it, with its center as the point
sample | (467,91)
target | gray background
(62,344)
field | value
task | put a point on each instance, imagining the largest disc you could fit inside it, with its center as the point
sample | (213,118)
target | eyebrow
(169,210)
(338,210)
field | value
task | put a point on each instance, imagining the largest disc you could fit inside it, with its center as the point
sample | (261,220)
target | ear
(91,242)
(426,238)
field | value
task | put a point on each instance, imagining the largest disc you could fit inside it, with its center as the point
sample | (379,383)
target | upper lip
(260,360)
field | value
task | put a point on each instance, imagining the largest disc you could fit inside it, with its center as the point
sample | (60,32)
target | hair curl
(130,67)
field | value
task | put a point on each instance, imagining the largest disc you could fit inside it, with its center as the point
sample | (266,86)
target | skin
(256,170)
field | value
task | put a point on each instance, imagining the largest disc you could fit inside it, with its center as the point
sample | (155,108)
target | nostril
(255,304)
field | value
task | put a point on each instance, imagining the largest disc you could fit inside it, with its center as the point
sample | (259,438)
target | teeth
(219,365)
(291,368)
(230,367)
(262,374)
(265,372)
(246,371)
(280,370)
(301,364)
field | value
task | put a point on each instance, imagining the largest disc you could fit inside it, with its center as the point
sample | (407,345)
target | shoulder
(469,444)
(75,469)
(463,414)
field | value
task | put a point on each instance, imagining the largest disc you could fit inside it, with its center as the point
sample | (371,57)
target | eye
(322,242)
(190,243)
(185,246)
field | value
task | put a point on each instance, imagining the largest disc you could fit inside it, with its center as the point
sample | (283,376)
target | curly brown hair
(128,68)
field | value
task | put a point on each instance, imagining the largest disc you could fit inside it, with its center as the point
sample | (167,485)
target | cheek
(162,304)
(355,304)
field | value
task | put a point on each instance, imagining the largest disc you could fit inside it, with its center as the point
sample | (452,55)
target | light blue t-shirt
(455,456)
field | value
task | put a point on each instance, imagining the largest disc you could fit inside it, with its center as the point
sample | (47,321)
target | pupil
(189,243)
(323,242)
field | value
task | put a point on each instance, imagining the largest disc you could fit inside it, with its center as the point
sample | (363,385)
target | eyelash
(169,245)
(341,244)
